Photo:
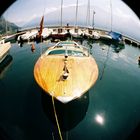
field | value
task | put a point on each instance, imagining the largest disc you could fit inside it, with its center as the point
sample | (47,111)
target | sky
(28,12)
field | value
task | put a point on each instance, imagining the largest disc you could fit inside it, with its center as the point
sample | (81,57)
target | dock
(131,41)
(88,32)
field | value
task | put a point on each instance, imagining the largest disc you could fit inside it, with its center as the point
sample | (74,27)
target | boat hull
(4,50)
(83,73)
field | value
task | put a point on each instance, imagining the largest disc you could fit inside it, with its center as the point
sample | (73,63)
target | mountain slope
(7,27)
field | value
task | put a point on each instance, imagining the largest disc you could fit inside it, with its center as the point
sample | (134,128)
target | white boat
(4,50)
(76,32)
(96,35)
(46,32)
(29,35)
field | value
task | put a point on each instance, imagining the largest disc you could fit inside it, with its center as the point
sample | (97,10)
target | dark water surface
(108,111)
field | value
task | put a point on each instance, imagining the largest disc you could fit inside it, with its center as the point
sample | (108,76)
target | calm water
(108,111)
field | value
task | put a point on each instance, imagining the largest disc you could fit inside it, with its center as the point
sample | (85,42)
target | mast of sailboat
(93,23)
(61,13)
(111,13)
(88,14)
(76,14)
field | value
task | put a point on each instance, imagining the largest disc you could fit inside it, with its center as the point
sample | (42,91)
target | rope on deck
(56,118)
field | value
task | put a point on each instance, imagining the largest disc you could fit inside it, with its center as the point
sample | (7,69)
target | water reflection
(116,47)
(139,61)
(100,119)
(5,65)
(70,114)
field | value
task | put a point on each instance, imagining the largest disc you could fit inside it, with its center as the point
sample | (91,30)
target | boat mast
(111,13)
(61,12)
(88,14)
(93,19)
(76,14)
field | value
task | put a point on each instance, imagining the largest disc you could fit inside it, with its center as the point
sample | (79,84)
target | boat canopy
(115,36)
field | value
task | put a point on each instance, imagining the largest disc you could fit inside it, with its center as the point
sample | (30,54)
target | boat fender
(32,47)
(139,60)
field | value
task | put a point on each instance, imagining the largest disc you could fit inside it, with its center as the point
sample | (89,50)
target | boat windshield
(66,43)
(69,52)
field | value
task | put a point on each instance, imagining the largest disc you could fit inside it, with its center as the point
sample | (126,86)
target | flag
(41,26)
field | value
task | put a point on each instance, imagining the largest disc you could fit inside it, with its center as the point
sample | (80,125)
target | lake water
(110,110)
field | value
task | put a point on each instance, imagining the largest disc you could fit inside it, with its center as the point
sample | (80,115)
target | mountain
(7,27)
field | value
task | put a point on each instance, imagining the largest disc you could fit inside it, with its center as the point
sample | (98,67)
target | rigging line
(88,14)
(44,7)
(105,63)
(56,118)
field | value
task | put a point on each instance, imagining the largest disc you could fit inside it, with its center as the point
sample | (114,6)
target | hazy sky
(124,20)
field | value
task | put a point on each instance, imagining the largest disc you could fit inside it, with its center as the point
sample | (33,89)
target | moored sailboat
(60,32)
(66,71)
(76,32)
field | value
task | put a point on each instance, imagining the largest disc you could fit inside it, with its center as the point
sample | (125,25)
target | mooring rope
(56,118)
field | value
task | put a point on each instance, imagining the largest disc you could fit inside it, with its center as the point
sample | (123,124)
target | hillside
(7,27)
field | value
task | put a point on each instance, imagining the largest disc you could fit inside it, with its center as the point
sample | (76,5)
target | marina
(27,112)
(69,70)
(69,31)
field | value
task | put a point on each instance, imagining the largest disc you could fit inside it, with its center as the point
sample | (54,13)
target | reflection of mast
(76,13)
(61,11)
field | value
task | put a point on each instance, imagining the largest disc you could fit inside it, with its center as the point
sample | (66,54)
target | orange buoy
(32,47)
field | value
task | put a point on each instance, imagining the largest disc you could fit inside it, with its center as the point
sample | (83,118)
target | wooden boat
(4,50)
(66,71)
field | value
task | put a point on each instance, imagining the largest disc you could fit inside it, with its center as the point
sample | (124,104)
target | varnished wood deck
(4,49)
(83,73)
